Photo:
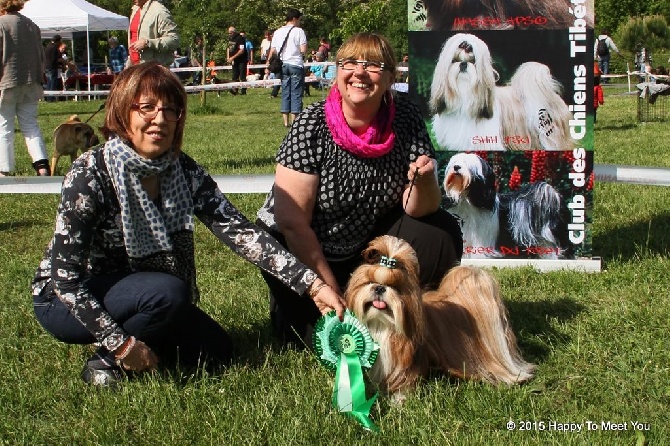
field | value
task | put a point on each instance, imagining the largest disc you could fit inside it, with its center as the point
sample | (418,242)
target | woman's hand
(423,166)
(326,299)
(422,195)
(136,356)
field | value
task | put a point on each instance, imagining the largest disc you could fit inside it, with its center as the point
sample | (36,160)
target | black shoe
(101,371)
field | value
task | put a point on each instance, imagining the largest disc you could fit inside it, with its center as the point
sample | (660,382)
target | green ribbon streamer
(346,348)
(349,391)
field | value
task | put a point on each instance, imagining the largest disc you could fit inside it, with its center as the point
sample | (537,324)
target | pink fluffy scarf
(377,140)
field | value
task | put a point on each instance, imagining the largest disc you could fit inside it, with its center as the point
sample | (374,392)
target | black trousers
(436,238)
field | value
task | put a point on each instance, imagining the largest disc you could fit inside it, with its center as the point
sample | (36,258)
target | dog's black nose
(457,167)
(463,67)
(465,46)
(379,290)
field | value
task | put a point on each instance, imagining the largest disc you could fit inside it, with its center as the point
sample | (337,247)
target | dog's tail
(470,334)
(547,115)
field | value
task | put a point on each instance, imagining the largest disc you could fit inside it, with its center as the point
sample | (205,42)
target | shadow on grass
(622,127)
(535,322)
(628,242)
(15,225)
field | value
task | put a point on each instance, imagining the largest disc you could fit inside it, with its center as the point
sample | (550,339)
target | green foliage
(651,32)
(611,14)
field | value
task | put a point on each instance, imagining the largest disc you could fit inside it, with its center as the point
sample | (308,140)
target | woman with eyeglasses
(120,269)
(354,166)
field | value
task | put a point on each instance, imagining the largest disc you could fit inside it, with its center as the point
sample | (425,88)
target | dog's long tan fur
(461,329)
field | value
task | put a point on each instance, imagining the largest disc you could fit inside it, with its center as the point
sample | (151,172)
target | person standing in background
(403,75)
(22,65)
(293,71)
(152,34)
(248,44)
(196,53)
(602,50)
(265,46)
(118,55)
(598,96)
(236,55)
(324,48)
(53,61)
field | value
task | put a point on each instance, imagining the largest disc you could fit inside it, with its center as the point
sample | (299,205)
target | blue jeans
(292,85)
(52,82)
(153,307)
(604,65)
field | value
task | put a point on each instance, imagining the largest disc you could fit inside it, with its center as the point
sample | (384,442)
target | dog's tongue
(379,304)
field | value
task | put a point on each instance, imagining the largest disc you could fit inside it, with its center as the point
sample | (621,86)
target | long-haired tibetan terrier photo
(529,222)
(461,329)
(471,112)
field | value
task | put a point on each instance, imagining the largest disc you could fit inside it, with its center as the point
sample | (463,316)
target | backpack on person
(603,49)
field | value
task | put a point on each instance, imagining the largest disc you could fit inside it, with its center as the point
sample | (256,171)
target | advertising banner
(506,89)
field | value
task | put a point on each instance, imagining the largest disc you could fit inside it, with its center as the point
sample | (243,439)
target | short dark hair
(293,14)
(56,38)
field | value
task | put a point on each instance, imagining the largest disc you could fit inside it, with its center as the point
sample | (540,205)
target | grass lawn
(601,340)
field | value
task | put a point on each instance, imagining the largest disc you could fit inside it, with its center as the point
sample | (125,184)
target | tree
(373,16)
(611,14)
(651,32)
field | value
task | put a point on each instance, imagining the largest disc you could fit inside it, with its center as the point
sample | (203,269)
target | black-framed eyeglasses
(368,65)
(150,111)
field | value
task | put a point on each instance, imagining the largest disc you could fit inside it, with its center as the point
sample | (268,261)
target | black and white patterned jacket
(88,240)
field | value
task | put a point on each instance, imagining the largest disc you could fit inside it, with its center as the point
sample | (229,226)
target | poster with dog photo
(446,15)
(504,90)
(530,204)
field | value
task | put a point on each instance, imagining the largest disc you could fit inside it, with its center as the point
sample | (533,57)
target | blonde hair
(150,79)
(11,5)
(369,46)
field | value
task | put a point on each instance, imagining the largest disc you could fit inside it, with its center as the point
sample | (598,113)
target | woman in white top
(294,42)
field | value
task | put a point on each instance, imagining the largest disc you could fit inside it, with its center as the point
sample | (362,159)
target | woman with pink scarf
(354,166)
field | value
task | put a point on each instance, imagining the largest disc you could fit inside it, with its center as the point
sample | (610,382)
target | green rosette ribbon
(346,347)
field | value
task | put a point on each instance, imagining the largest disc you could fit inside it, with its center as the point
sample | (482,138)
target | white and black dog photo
(527,222)
(470,111)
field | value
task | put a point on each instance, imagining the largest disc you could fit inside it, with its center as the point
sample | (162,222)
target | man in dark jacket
(53,61)
(237,57)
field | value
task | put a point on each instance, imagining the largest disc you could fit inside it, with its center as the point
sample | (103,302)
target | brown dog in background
(71,137)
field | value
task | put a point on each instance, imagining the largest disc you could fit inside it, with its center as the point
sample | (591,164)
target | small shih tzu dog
(461,329)
(529,219)
(470,112)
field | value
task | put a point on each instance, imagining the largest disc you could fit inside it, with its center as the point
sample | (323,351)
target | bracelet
(314,291)
(127,346)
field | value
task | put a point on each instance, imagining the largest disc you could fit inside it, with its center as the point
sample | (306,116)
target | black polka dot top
(354,193)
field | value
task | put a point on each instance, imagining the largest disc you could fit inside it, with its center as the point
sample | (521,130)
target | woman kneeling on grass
(354,166)
(120,269)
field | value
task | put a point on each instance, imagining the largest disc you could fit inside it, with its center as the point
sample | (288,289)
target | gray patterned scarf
(158,235)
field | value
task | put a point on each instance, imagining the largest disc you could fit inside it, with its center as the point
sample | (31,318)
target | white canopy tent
(65,17)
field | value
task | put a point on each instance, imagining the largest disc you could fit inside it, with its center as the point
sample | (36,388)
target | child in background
(598,97)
